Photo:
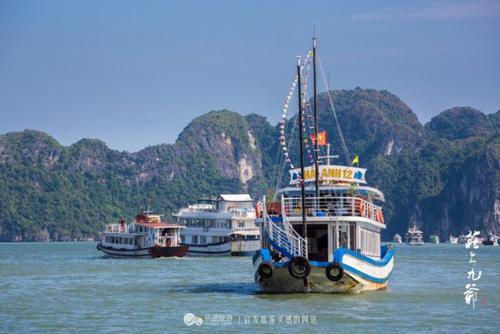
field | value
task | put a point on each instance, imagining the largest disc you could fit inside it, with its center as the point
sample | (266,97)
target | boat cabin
(342,216)
(148,230)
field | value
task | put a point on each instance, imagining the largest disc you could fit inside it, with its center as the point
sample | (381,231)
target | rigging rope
(330,99)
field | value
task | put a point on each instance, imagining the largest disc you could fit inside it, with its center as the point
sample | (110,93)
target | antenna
(148,210)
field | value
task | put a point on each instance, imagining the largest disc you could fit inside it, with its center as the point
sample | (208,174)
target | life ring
(258,209)
(299,267)
(379,216)
(265,270)
(334,272)
(361,208)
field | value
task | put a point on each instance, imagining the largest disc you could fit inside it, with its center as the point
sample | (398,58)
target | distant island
(444,175)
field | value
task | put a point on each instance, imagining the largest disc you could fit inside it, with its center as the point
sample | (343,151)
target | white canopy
(236,197)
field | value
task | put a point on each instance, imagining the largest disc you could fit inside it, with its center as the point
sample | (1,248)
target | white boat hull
(145,252)
(219,249)
(157,251)
(230,248)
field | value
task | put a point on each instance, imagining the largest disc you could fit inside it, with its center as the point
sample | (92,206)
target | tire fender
(334,272)
(299,267)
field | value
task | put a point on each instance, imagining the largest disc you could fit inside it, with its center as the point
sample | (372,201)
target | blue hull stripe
(365,276)
(387,255)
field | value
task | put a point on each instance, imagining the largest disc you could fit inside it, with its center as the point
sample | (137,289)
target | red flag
(322,138)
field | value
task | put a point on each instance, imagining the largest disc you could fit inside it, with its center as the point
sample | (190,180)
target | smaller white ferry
(397,238)
(452,239)
(148,236)
(414,237)
(220,226)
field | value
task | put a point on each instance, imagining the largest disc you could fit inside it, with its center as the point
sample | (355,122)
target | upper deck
(223,207)
(332,208)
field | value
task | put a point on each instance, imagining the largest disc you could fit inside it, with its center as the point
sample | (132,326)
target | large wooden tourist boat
(321,233)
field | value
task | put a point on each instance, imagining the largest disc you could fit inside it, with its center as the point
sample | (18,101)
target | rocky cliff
(444,175)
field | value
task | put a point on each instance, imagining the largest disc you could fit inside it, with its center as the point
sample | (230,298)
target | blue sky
(134,73)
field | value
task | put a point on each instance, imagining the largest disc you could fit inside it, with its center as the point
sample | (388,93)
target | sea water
(71,287)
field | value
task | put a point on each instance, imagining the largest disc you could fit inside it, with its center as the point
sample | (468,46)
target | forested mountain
(444,175)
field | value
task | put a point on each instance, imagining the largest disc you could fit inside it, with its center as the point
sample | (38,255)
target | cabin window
(203,240)
(241,224)
(183,239)
(194,239)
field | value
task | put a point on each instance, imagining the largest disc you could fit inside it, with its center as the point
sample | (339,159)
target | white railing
(331,207)
(242,212)
(284,235)
(117,228)
(246,229)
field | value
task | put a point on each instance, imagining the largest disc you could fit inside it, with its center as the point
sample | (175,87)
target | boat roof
(160,225)
(236,197)
(377,194)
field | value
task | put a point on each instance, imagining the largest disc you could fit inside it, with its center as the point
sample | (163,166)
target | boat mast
(316,168)
(301,141)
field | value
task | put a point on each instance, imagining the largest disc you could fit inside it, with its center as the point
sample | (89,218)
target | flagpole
(301,141)
(316,169)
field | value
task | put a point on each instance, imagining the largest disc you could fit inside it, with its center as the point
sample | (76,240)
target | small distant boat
(414,237)
(453,240)
(397,238)
(490,240)
(148,236)
(462,239)
(434,239)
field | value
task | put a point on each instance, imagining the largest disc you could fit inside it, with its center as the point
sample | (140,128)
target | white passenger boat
(452,239)
(221,226)
(322,232)
(148,236)
(434,239)
(397,238)
(414,237)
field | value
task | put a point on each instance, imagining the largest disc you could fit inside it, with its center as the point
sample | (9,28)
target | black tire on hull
(265,270)
(299,267)
(334,272)
(98,246)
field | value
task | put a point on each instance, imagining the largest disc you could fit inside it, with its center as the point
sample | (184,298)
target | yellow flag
(355,160)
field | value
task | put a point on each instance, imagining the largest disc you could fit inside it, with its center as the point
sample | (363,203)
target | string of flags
(306,64)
